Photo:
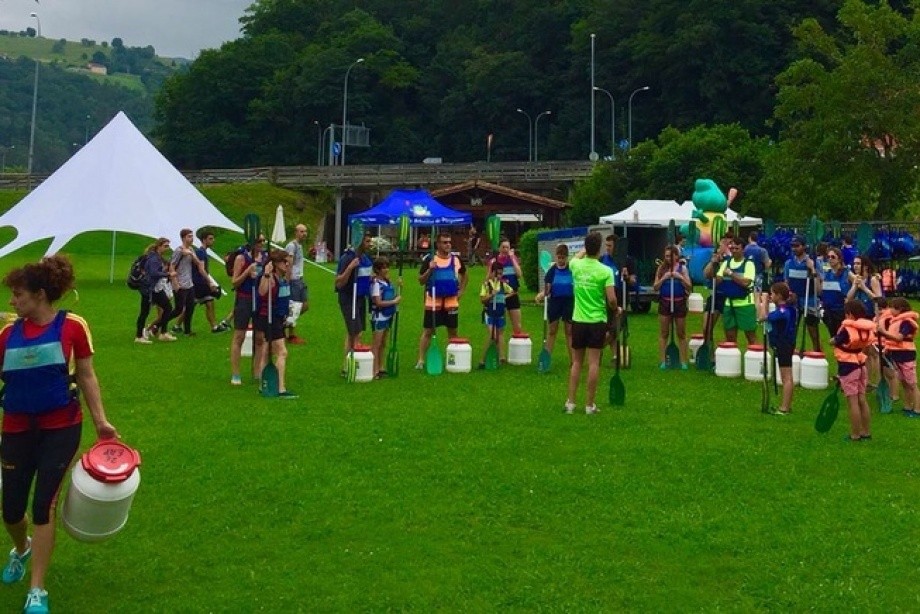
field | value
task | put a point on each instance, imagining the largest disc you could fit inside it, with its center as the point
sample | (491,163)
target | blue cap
(798,239)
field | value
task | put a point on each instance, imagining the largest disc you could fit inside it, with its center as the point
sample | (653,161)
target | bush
(530,259)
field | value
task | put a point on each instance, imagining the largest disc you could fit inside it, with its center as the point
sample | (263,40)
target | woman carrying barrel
(47,355)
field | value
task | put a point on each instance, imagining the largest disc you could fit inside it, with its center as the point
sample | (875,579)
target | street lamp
(613,123)
(641,89)
(34,103)
(529,134)
(593,154)
(536,133)
(319,143)
(345,106)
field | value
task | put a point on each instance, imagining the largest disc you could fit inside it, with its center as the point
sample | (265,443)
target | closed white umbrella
(278,237)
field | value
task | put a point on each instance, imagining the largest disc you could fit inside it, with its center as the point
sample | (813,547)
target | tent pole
(112,262)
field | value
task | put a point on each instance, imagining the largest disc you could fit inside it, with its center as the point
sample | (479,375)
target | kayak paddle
(617,389)
(828,412)
(543,362)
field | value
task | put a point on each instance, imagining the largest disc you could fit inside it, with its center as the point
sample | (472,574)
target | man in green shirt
(594,292)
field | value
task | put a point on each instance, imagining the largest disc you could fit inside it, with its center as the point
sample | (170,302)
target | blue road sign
(336,149)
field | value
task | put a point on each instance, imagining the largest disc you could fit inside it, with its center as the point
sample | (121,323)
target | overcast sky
(175,28)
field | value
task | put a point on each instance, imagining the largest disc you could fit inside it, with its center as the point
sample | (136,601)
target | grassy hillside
(73,53)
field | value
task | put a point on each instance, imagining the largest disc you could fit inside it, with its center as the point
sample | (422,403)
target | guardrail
(391,175)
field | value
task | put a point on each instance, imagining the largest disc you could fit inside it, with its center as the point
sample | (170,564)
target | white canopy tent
(119,182)
(659,213)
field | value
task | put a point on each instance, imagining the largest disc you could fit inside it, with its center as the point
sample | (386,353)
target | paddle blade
(492,356)
(252,228)
(827,415)
(351,368)
(544,361)
(672,356)
(883,394)
(863,237)
(493,229)
(617,391)
(393,362)
(672,232)
(357,232)
(704,357)
(268,387)
(434,362)
(404,222)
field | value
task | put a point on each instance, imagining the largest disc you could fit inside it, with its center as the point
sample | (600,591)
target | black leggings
(160,300)
(47,453)
(185,304)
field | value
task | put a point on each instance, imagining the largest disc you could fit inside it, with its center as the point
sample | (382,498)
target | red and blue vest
(35,370)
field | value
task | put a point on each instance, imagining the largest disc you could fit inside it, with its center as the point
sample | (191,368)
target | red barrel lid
(814,354)
(362,348)
(728,344)
(459,341)
(697,336)
(520,336)
(755,347)
(110,461)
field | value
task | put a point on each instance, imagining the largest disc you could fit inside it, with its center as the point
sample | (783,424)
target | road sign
(593,156)
(336,149)
(623,144)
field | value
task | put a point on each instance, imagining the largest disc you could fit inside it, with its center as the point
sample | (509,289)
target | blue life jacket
(443,279)
(495,308)
(607,259)
(786,314)
(281,299)
(249,284)
(35,370)
(834,289)
(730,289)
(679,290)
(387,293)
(508,273)
(563,283)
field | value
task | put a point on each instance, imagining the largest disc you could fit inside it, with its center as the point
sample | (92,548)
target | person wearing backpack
(152,292)
(247,268)
(856,333)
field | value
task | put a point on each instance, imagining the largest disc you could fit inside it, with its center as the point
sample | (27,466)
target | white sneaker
(144,340)
(569,407)
(591,410)
(166,337)
(419,365)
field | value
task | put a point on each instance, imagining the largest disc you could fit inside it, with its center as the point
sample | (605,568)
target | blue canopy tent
(422,208)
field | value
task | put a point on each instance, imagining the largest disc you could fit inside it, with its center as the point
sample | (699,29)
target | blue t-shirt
(560,280)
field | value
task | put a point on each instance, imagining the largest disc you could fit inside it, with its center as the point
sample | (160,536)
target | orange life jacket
(888,281)
(861,334)
(894,327)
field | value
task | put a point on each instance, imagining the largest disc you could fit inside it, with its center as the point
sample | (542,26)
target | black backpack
(230,258)
(137,276)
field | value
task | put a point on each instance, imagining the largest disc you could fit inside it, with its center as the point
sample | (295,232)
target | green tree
(849,113)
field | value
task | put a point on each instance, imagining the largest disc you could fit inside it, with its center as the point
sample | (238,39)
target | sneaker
(177,329)
(911,414)
(591,410)
(146,334)
(482,366)
(36,602)
(166,337)
(217,329)
(569,407)
(190,334)
(663,366)
(287,394)
(295,340)
(421,365)
(236,380)
(142,340)
(16,567)
(775,412)
(684,366)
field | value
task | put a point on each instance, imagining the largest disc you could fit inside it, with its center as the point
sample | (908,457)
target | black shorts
(589,335)
(242,312)
(783,353)
(449,318)
(203,294)
(356,325)
(560,308)
(513,302)
(273,330)
(720,303)
(46,454)
(679,308)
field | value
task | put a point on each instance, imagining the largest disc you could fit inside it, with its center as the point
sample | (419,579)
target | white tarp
(659,213)
(118,181)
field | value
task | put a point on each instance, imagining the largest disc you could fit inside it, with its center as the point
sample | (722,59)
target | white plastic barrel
(246,350)
(520,349)
(695,302)
(102,489)
(459,356)
(364,361)
(728,360)
(696,341)
(796,368)
(753,363)
(813,371)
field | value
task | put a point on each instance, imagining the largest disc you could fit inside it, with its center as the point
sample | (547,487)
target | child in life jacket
(898,346)
(383,310)
(856,333)
(493,294)
(883,317)
(781,330)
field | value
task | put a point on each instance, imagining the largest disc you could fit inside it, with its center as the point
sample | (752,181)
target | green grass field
(472,492)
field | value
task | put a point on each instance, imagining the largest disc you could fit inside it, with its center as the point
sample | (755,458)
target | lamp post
(593,154)
(613,123)
(529,134)
(38,30)
(345,105)
(319,143)
(636,91)
(86,134)
(331,130)
(536,133)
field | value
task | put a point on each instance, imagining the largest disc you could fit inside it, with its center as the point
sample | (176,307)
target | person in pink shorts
(856,333)
(898,346)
